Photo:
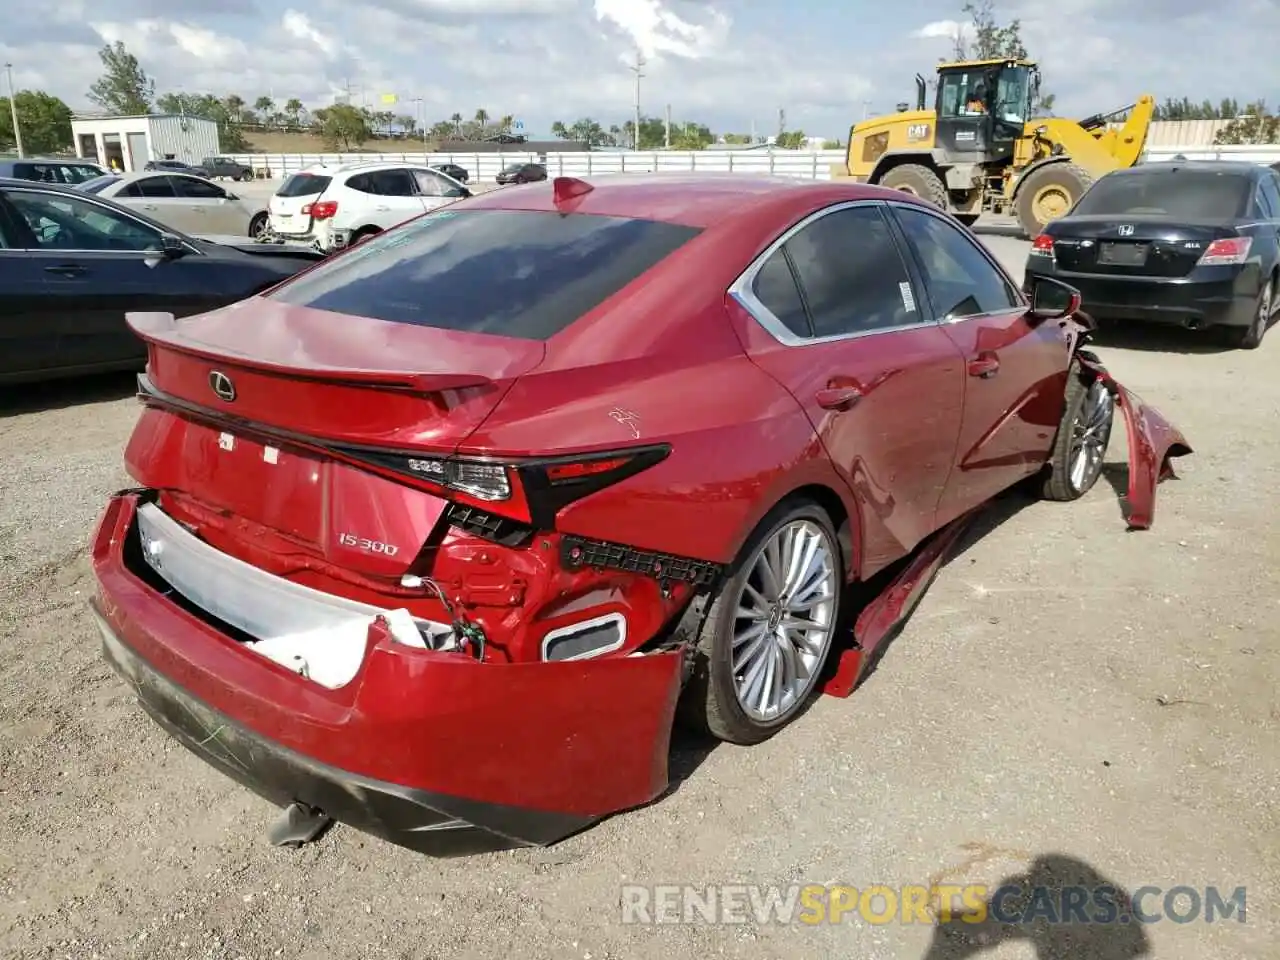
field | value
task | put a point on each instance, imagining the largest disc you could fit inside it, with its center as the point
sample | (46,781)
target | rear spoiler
(161,329)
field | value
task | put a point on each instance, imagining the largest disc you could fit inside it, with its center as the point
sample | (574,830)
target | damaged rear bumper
(430,750)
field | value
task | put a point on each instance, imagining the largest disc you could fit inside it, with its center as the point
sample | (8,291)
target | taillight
(322,210)
(1226,252)
(1042,246)
(533,491)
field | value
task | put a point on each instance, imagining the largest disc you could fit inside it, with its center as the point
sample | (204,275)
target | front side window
(61,222)
(851,273)
(960,280)
(430,185)
(514,273)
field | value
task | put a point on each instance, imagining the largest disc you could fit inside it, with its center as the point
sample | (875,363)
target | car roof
(1242,167)
(692,199)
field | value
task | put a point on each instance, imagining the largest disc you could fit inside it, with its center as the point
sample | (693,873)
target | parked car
(453,171)
(51,171)
(429,538)
(72,264)
(522,173)
(173,166)
(216,167)
(192,204)
(334,207)
(1193,243)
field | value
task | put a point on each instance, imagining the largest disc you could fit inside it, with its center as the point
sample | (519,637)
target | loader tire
(1049,193)
(919,181)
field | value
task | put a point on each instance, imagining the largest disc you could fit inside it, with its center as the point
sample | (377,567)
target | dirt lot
(1104,702)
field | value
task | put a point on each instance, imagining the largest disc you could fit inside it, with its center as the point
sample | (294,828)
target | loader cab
(983,107)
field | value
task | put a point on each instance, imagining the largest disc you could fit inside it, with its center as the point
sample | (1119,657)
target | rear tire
(1083,436)
(763,644)
(1250,337)
(1049,193)
(919,181)
(364,233)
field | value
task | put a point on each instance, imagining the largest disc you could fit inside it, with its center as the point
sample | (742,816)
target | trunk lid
(334,377)
(1133,246)
(295,384)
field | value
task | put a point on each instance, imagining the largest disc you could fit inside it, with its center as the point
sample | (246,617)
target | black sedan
(1193,243)
(72,264)
(452,170)
(522,173)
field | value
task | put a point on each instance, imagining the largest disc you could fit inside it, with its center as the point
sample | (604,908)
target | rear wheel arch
(830,501)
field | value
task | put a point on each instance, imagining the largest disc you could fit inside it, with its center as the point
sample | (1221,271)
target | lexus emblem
(222,386)
(1125,230)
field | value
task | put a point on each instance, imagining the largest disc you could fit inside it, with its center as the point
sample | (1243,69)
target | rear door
(850,336)
(97,263)
(1014,369)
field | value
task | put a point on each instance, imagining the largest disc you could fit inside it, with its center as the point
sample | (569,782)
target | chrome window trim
(1024,303)
(118,211)
(741,288)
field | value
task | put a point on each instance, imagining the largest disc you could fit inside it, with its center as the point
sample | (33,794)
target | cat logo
(918,131)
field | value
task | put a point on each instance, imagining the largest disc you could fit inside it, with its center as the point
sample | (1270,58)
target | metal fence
(809,165)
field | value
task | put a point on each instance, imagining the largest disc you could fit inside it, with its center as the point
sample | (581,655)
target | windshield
(98,184)
(1013,94)
(514,273)
(303,185)
(1188,194)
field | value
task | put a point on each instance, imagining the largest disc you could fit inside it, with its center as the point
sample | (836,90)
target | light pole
(13,111)
(420,116)
(639,65)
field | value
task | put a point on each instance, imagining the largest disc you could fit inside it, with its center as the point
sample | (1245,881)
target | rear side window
(1186,194)
(303,185)
(514,273)
(775,287)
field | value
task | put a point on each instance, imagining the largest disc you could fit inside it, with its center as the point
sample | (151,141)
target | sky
(730,64)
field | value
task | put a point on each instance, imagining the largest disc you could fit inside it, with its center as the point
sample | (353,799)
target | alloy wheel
(1090,434)
(784,620)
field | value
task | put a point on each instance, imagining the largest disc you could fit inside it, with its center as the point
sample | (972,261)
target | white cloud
(655,30)
(945,29)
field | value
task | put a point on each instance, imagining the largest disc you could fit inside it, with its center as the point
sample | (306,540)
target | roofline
(139,116)
(1019,61)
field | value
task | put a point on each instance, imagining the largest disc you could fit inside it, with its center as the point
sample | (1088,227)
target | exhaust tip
(298,824)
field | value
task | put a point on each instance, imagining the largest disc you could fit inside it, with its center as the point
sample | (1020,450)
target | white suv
(335,206)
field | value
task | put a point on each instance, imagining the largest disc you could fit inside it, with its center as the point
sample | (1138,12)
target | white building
(133,141)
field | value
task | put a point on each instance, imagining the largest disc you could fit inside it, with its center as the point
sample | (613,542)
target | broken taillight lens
(323,210)
(1226,252)
(1042,246)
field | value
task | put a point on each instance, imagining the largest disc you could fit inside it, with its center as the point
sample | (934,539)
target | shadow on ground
(1064,908)
(16,399)
(1154,338)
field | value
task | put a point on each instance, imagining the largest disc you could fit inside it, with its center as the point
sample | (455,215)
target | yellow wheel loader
(980,149)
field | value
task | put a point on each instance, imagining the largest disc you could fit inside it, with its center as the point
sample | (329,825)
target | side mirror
(1053,300)
(172,248)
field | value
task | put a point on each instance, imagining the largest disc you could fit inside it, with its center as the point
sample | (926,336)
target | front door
(395,198)
(1015,369)
(881,382)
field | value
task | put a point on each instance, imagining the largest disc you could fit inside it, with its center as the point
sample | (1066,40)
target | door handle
(149,206)
(985,366)
(67,270)
(838,398)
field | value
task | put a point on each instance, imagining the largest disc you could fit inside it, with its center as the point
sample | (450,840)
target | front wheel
(258,225)
(766,635)
(1049,193)
(1083,436)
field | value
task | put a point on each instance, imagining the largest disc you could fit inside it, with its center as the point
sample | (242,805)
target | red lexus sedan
(431,538)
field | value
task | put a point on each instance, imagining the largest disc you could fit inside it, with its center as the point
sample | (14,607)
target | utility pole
(668,142)
(639,65)
(419,113)
(13,111)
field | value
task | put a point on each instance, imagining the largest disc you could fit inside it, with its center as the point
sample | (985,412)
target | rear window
(526,274)
(1182,194)
(303,185)
(98,184)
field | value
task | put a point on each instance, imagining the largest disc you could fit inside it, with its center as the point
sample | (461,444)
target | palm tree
(235,107)
(506,123)
(266,108)
(482,118)
(456,120)
(293,110)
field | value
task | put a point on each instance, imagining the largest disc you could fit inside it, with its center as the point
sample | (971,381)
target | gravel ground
(1068,698)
